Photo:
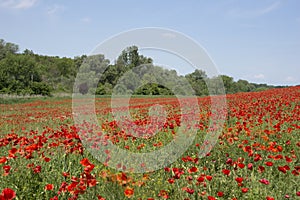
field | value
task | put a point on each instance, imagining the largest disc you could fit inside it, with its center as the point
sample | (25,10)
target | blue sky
(253,40)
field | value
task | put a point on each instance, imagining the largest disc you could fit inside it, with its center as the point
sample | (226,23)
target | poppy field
(257,155)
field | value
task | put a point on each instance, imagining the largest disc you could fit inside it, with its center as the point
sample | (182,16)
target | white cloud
(268,9)
(18,4)
(55,9)
(259,76)
(238,12)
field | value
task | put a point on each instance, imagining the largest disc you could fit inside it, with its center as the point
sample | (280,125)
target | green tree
(197,80)
(215,86)
(244,86)
(228,84)
(91,70)
(7,48)
(19,74)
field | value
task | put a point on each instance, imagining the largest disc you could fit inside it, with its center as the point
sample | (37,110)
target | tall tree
(228,84)
(197,79)
(7,48)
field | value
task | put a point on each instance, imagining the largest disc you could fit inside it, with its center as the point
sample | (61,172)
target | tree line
(27,73)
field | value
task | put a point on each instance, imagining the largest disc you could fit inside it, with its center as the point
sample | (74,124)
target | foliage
(7,48)
(28,73)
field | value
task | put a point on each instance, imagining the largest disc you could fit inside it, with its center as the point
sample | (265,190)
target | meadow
(257,155)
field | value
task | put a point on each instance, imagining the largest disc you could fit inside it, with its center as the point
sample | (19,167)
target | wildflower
(209,177)
(193,169)
(239,179)
(49,187)
(226,171)
(3,160)
(164,194)
(129,192)
(245,190)
(269,164)
(250,166)
(220,194)
(264,181)
(8,194)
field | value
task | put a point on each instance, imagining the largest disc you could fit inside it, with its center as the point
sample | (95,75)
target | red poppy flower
(261,169)
(239,179)
(92,182)
(129,192)
(245,190)
(226,171)
(8,194)
(278,157)
(269,198)
(101,197)
(66,174)
(63,187)
(37,169)
(189,190)
(49,187)
(178,172)
(3,160)
(220,194)
(171,180)
(164,194)
(6,169)
(72,186)
(295,172)
(12,151)
(241,165)
(257,157)
(85,162)
(283,169)
(269,164)
(229,161)
(288,159)
(250,166)
(264,181)
(209,177)
(200,179)
(193,169)
(211,198)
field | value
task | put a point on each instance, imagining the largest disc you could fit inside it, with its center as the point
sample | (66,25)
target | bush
(4,91)
(41,88)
